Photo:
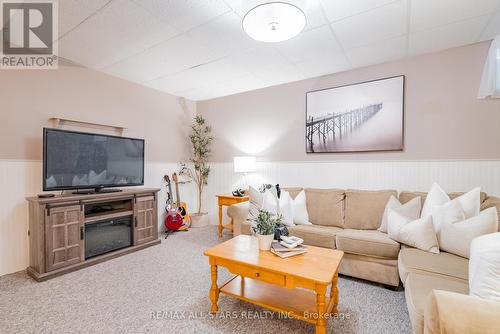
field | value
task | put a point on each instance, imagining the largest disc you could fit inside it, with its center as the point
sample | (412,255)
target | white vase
(265,241)
(199,220)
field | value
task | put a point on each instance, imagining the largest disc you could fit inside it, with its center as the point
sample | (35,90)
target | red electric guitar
(173,220)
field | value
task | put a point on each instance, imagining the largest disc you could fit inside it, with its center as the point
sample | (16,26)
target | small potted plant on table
(264,227)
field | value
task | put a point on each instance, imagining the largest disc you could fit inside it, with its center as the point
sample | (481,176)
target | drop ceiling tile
(314,14)
(280,74)
(427,14)
(244,83)
(212,74)
(323,65)
(224,35)
(268,65)
(186,14)
(73,12)
(309,44)
(205,92)
(197,95)
(169,57)
(173,84)
(218,71)
(380,52)
(118,31)
(259,59)
(493,27)
(448,36)
(140,68)
(375,25)
(338,9)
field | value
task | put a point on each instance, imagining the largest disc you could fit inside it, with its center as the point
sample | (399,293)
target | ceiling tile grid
(118,31)
(198,49)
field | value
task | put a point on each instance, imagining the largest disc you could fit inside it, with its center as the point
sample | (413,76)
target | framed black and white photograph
(362,117)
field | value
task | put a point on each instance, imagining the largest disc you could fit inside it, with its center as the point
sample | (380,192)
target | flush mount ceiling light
(274,22)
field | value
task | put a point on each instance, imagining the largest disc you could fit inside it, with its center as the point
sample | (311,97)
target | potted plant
(264,227)
(201,141)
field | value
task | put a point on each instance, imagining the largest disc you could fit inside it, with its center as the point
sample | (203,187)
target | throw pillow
(300,214)
(450,213)
(470,202)
(435,198)
(456,238)
(416,233)
(282,206)
(255,200)
(410,209)
(484,267)
(458,209)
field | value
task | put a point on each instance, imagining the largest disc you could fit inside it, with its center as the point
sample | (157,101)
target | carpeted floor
(164,289)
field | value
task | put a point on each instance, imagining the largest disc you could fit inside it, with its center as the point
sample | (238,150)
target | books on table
(284,252)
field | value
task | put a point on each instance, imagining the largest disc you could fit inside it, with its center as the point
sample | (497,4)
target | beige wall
(444,120)
(29,98)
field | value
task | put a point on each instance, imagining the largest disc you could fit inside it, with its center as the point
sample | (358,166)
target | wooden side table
(227,200)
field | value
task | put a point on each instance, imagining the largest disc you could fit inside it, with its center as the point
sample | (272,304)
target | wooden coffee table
(267,280)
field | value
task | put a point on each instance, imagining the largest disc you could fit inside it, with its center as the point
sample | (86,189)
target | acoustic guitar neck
(177,196)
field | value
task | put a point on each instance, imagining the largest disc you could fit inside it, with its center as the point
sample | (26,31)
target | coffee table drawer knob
(257,274)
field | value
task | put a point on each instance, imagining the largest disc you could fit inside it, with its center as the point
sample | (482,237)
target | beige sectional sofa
(348,220)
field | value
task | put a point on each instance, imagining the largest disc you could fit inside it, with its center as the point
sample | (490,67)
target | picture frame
(367,116)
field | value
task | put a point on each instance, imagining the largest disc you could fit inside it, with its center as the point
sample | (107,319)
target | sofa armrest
(450,312)
(238,213)
(490,202)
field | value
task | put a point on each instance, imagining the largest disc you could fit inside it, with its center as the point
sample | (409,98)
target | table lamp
(244,165)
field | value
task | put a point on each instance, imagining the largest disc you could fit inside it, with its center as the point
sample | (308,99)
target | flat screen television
(80,160)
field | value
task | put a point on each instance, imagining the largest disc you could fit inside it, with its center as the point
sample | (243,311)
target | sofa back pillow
(456,237)
(406,196)
(255,198)
(492,202)
(325,206)
(410,210)
(417,233)
(436,198)
(364,209)
(484,267)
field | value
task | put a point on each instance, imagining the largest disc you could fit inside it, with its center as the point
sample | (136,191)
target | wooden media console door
(64,233)
(58,228)
(146,226)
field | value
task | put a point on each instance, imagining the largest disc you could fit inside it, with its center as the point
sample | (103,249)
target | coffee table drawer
(258,274)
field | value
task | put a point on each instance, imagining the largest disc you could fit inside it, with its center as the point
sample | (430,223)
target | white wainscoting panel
(19,179)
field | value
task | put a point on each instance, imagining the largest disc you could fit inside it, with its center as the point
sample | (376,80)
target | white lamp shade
(244,164)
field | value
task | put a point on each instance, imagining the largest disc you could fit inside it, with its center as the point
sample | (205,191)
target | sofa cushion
(314,235)
(293,191)
(325,206)
(364,209)
(367,242)
(370,268)
(443,264)
(418,288)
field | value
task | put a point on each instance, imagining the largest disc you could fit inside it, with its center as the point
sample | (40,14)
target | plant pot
(199,219)
(265,241)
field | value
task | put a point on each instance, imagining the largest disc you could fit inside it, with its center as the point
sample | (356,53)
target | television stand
(96,191)
(68,232)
